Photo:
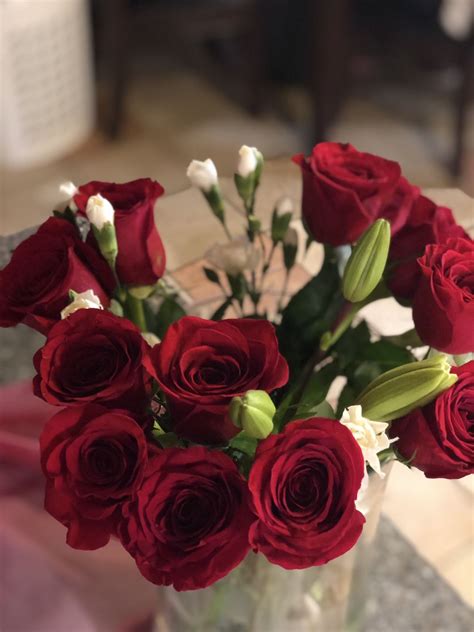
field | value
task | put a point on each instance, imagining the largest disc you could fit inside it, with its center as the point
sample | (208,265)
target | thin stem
(135,311)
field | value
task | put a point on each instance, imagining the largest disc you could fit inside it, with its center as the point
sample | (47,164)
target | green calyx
(367,262)
(399,391)
(253,413)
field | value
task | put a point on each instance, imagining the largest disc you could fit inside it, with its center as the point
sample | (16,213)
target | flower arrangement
(196,440)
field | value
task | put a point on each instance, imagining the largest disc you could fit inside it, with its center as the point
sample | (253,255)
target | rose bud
(253,412)
(234,257)
(100,214)
(81,300)
(370,435)
(367,262)
(400,390)
(438,438)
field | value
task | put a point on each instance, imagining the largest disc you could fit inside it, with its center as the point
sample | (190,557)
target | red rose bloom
(427,224)
(345,191)
(34,286)
(443,307)
(93,459)
(93,356)
(439,438)
(304,483)
(188,525)
(141,257)
(201,365)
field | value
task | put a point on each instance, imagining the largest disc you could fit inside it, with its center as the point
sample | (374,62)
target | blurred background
(120,89)
(116,89)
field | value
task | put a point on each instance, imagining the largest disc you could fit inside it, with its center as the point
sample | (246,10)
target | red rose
(93,356)
(188,525)
(443,306)
(201,365)
(34,286)
(304,484)
(439,439)
(427,224)
(141,257)
(345,191)
(93,459)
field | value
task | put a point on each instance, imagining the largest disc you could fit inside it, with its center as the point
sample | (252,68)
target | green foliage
(170,311)
(221,310)
(211,275)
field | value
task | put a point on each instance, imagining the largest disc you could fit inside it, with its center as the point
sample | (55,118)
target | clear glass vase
(262,597)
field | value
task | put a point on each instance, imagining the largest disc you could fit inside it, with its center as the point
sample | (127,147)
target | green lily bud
(367,262)
(253,413)
(281,219)
(400,390)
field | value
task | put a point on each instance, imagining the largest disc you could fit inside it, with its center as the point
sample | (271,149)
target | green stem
(135,311)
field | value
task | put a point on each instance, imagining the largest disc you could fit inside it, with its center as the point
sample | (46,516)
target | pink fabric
(45,586)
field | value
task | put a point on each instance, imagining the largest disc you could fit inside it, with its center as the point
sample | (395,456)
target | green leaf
(409,338)
(238,286)
(167,439)
(245,444)
(308,315)
(221,310)
(318,385)
(170,311)
(323,409)
(211,275)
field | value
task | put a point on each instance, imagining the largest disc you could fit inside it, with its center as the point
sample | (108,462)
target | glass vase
(261,597)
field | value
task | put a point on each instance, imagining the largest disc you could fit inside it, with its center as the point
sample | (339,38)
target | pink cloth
(45,586)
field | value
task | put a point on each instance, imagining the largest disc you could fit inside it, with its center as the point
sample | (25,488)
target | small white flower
(248,160)
(67,190)
(150,338)
(99,211)
(83,300)
(370,435)
(291,237)
(203,174)
(234,256)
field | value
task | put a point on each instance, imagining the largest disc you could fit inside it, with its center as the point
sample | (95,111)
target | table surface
(405,592)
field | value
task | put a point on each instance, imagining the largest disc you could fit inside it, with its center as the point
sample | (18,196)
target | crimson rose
(93,356)
(34,286)
(304,484)
(188,525)
(439,438)
(345,191)
(141,257)
(426,224)
(443,307)
(201,365)
(93,459)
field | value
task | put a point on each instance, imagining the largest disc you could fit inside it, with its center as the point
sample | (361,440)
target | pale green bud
(281,219)
(401,390)
(367,262)
(253,413)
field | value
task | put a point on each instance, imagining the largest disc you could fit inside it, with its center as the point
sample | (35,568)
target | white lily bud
(82,300)
(248,161)
(370,435)
(99,211)
(202,174)
(234,256)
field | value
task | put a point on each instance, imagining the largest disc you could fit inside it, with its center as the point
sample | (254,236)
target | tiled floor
(163,133)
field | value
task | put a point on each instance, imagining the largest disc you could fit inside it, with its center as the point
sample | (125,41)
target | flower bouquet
(220,448)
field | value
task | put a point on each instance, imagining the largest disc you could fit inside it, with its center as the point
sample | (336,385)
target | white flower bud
(248,161)
(82,300)
(99,211)
(67,190)
(234,256)
(203,174)
(370,435)
(284,205)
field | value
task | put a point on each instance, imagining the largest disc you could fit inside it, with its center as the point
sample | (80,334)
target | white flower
(82,300)
(370,435)
(150,338)
(67,190)
(99,211)
(248,160)
(234,256)
(202,174)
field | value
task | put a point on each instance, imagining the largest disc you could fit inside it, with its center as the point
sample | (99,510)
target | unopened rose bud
(290,247)
(81,300)
(399,391)
(249,159)
(367,262)
(99,211)
(253,413)
(202,174)
(370,435)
